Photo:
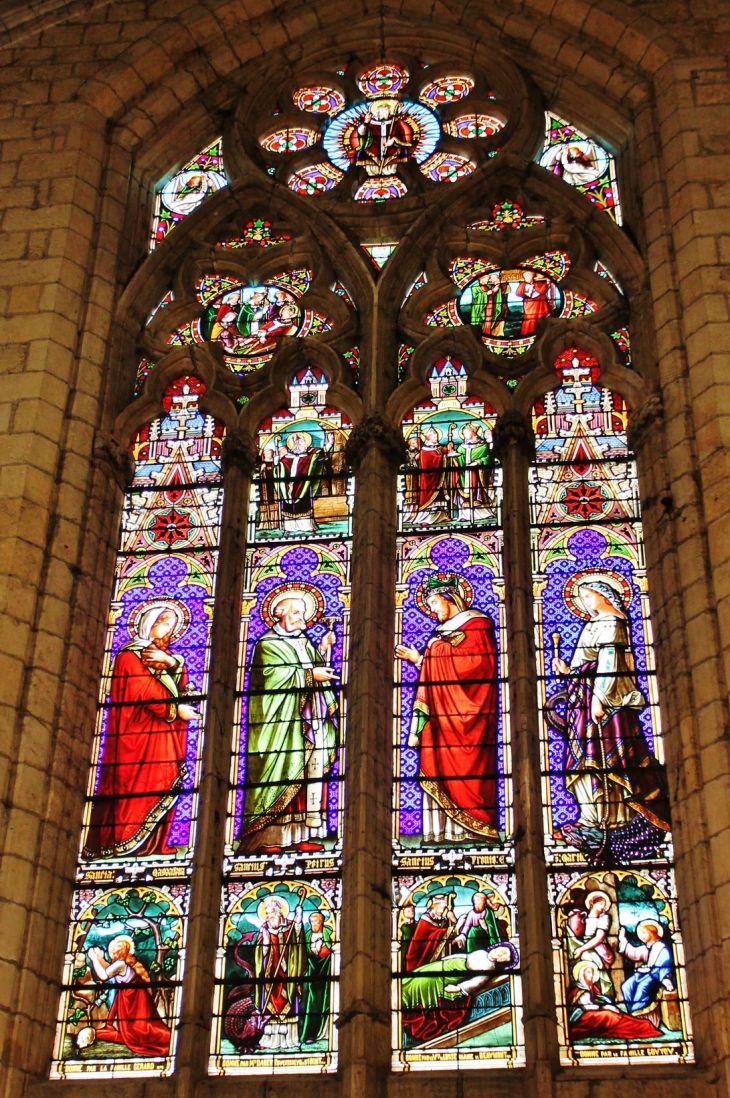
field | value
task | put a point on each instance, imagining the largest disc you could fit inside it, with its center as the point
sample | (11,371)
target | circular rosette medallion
(383,80)
(579,162)
(506,306)
(380,135)
(249,319)
(186,190)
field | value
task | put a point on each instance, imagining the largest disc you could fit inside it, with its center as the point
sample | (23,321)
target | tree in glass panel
(619,967)
(279,948)
(125,949)
(456,992)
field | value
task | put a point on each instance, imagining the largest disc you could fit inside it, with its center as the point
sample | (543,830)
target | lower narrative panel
(122,981)
(456,984)
(277,977)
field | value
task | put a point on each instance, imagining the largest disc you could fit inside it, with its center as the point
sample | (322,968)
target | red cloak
(535,308)
(142,761)
(425,945)
(458,695)
(138,1025)
(607,1023)
(431,475)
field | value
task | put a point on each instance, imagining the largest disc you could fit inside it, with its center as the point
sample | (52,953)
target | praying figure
(133,1019)
(142,762)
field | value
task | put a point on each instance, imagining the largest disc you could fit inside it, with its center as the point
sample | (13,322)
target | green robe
(315,1001)
(280,692)
(425,987)
(478,305)
(245,318)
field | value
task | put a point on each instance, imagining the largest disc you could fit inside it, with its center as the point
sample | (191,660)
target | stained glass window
(576,159)
(620,981)
(390,126)
(508,215)
(247,320)
(126,946)
(183,193)
(456,988)
(506,306)
(257,233)
(277,991)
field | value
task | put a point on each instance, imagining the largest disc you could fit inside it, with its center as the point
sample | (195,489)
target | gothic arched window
(378,768)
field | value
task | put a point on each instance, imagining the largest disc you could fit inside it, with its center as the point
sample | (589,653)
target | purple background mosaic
(167,578)
(452,553)
(588,548)
(298,563)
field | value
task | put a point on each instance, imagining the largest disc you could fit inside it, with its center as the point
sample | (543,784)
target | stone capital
(116,459)
(373,430)
(239,451)
(513,427)
(648,415)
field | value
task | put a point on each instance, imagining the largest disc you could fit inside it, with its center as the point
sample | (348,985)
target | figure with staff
(280,964)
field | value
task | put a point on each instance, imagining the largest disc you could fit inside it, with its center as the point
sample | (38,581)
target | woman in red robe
(133,1019)
(455,716)
(592,1014)
(142,763)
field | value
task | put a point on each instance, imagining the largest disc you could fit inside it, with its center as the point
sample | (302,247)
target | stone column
(514,444)
(238,461)
(374,451)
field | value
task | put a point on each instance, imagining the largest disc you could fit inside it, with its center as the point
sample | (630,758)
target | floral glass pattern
(257,233)
(291,139)
(183,193)
(381,132)
(455,949)
(581,162)
(507,215)
(248,320)
(276,994)
(473,126)
(447,89)
(121,993)
(620,982)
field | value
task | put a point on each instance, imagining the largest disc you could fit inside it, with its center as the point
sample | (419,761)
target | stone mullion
(196,1012)
(365,1007)
(514,444)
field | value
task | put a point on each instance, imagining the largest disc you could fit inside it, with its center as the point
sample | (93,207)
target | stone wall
(98,101)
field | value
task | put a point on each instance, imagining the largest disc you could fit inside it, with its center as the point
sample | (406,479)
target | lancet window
(298,336)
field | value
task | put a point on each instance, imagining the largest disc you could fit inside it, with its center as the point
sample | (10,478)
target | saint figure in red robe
(432,933)
(133,1019)
(142,762)
(455,715)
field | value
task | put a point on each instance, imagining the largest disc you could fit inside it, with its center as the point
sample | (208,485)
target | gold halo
(598,892)
(310,595)
(613,579)
(261,909)
(651,922)
(300,434)
(179,609)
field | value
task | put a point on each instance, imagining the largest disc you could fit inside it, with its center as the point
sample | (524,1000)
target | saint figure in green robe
(292,731)
(469,458)
(315,1001)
